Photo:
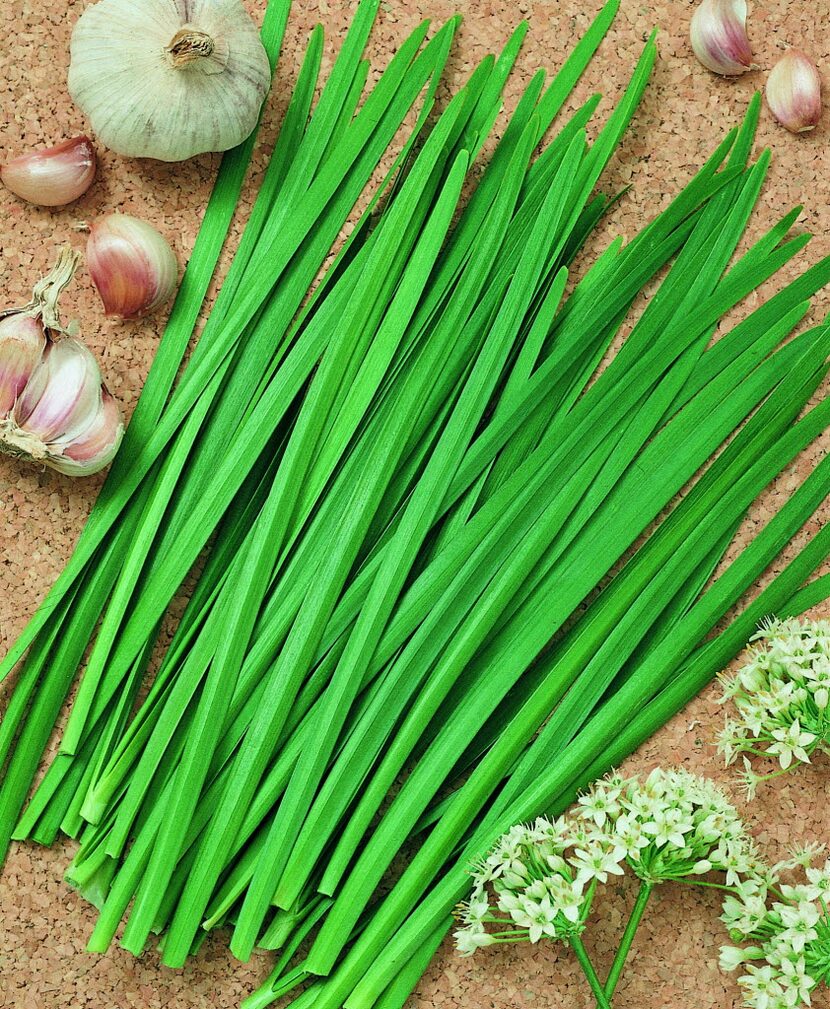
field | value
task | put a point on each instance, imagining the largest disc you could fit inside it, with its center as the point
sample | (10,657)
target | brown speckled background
(43,924)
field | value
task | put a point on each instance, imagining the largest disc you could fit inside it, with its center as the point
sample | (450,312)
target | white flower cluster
(543,877)
(782,697)
(669,826)
(788,931)
(675,824)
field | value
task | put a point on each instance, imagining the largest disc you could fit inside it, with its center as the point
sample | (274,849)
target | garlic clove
(91,451)
(22,342)
(62,396)
(794,92)
(719,38)
(131,264)
(52,177)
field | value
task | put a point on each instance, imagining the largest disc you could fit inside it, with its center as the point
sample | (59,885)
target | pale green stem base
(627,939)
(589,972)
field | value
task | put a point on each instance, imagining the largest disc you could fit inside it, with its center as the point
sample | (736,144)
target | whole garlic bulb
(54,408)
(168,79)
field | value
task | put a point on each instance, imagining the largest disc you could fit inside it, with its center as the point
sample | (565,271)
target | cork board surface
(43,924)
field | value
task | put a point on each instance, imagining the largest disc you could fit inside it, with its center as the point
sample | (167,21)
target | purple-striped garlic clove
(719,38)
(22,342)
(54,176)
(132,266)
(794,92)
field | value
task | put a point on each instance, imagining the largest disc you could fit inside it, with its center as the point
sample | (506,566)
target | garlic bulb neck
(190,45)
(47,291)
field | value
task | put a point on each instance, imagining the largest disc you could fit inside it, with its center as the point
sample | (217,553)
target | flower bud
(719,39)
(131,264)
(794,92)
(52,177)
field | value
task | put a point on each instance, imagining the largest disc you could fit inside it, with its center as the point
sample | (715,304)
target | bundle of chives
(196,744)
(339,150)
(621,725)
(767,327)
(418,487)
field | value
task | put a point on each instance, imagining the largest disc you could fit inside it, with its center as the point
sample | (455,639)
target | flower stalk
(637,912)
(590,973)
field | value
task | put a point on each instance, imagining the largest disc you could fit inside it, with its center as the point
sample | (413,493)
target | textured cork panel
(44,925)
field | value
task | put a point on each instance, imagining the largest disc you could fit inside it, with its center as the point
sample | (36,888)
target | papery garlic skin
(54,408)
(24,331)
(54,176)
(168,79)
(132,266)
(794,92)
(719,38)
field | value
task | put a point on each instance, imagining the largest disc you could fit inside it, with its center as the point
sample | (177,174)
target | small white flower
(805,912)
(746,910)
(798,936)
(542,920)
(730,740)
(596,862)
(791,742)
(731,957)
(667,828)
(600,802)
(468,940)
(568,897)
(796,981)
(749,780)
(629,833)
(819,882)
(761,986)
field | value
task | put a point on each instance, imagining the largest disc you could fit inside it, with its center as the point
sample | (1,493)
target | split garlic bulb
(168,79)
(54,408)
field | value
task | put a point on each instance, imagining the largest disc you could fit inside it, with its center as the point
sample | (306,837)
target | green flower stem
(776,774)
(713,886)
(628,938)
(589,972)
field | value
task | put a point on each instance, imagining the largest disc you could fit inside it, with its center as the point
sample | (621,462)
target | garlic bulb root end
(189,46)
